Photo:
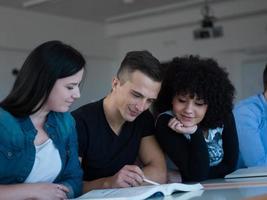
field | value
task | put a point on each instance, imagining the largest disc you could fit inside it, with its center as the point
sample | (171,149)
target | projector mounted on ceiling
(208,29)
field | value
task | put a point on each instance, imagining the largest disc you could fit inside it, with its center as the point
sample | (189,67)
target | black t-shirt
(191,156)
(104,153)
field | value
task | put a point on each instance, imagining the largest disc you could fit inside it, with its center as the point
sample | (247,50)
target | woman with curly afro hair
(195,127)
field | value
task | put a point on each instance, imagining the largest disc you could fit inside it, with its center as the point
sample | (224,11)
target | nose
(189,108)
(76,94)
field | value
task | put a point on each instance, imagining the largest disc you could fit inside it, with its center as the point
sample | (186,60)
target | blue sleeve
(248,124)
(72,174)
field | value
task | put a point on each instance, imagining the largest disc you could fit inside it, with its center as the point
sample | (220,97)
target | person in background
(251,123)
(195,127)
(115,130)
(38,141)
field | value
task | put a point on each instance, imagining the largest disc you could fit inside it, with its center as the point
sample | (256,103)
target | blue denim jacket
(17,150)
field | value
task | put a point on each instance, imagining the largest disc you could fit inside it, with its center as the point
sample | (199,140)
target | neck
(38,118)
(112,114)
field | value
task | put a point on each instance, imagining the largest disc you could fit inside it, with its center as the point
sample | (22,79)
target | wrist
(106,183)
(31,191)
(190,129)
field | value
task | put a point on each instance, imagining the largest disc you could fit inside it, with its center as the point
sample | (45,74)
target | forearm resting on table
(16,192)
(101,183)
(155,173)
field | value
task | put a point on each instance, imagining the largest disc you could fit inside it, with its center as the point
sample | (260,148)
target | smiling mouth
(133,113)
(185,118)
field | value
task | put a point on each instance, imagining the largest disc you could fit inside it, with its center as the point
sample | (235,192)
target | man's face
(134,95)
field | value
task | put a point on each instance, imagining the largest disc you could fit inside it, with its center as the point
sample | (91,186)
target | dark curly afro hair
(201,77)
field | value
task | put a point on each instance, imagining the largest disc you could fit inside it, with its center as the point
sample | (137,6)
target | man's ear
(115,82)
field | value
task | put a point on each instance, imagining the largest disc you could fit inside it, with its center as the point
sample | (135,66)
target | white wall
(166,35)
(250,85)
(23,31)
(8,61)
(170,34)
(97,87)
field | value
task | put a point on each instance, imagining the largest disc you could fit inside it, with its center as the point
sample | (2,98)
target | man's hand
(178,127)
(128,176)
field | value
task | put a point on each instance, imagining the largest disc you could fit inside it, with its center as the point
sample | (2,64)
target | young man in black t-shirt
(114,131)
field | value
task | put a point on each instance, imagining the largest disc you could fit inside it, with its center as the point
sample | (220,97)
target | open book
(141,192)
(248,172)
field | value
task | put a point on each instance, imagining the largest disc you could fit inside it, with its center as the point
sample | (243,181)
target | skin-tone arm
(40,191)
(131,175)
(153,160)
(128,176)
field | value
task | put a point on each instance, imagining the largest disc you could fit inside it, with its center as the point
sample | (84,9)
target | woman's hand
(178,127)
(49,191)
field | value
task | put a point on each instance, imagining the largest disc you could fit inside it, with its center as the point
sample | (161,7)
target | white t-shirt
(47,164)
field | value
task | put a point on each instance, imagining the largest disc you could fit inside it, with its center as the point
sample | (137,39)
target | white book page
(181,196)
(141,192)
(120,193)
(182,187)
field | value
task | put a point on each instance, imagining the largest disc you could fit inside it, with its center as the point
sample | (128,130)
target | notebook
(248,172)
(141,192)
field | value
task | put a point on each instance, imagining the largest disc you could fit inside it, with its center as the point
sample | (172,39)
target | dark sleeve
(190,156)
(230,148)
(82,133)
(148,124)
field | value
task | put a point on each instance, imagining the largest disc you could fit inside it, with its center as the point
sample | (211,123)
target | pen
(151,182)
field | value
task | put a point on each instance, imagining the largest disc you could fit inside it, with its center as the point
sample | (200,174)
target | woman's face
(64,93)
(189,111)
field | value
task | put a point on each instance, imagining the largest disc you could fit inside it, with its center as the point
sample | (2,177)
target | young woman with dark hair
(38,148)
(195,127)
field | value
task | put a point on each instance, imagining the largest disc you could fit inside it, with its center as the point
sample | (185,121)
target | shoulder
(163,118)
(146,115)
(9,126)
(88,110)
(6,119)
(144,119)
(63,121)
(254,105)
(5,115)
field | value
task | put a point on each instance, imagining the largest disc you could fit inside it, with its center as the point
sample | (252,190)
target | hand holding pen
(150,182)
(128,176)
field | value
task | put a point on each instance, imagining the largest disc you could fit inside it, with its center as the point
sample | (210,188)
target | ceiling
(90,10)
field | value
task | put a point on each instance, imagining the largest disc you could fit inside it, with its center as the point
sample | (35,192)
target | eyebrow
(138,93)
(141,95)
(73,83)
